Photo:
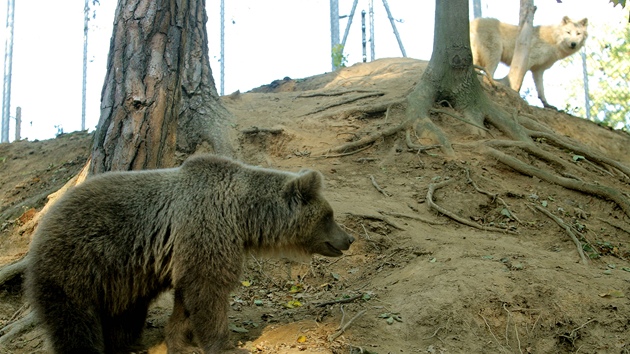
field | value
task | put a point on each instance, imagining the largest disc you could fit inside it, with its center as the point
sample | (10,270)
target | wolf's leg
(538,80)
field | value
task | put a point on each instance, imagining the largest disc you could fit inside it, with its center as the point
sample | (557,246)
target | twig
(412,217)
(348,153)
(256,130)
(378,188)
(340,301)
(334,336)
(567,229)
(429,198)
(379,218)
(494,196)
(492,333)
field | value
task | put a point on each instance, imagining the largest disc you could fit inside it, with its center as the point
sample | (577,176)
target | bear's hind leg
(122,331)
(179,336)
(70,328)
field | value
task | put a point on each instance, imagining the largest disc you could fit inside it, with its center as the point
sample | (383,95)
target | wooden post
(18,123)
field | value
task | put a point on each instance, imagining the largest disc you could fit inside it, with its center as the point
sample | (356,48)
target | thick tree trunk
(450,68)
(159,100)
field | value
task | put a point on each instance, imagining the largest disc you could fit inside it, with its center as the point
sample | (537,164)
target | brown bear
(111,245)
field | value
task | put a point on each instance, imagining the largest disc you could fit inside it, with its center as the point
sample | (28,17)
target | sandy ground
(415,281)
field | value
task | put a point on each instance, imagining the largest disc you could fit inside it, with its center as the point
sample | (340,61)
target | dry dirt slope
(419,282)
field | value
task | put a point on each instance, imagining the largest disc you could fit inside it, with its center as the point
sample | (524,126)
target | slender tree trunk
(159,101)
(518,66)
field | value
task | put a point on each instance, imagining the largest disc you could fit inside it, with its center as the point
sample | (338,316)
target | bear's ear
(304,187)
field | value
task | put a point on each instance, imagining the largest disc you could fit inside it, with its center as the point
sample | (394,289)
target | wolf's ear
(566,20)
(305,187)
(583,22)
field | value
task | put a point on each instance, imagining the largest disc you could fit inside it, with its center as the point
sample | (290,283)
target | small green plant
(339,60)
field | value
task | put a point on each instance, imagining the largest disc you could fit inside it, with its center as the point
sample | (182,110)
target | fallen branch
(567,228)
(432,205)
(378,188)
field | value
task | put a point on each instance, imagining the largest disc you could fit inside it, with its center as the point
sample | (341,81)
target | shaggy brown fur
(115,242)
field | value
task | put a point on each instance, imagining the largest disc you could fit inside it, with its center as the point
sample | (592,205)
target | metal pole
(222,60)
(334,29)
(371,14)
(587,100)
(8,64)
(477,8)
(345,34)
(391,20)
(18,123)
(363,34)
(86,19)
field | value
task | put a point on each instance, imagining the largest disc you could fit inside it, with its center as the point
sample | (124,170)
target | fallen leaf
(246,283)
(301,339)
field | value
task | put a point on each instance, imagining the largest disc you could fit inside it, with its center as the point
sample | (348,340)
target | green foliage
(618,2)
(608,66)
(339,60)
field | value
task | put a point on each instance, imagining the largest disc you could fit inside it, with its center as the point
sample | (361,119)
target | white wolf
(493,41)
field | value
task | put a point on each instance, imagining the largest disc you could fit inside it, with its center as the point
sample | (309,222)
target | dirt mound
(415,281)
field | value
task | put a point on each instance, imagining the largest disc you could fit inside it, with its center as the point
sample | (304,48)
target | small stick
(494,196)
(429,198)
(256,130)
(567,229)
(334,336)
(376,217)
(378,188)
(339,301)
(412,217)
(492,333)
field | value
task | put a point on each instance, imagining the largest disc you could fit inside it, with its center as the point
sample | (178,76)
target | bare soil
(415,281)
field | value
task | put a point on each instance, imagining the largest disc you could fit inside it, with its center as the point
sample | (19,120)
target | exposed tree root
(605,192)
(567,228)
(12,270)
(346,101)
(16,328)
(368,139)
(333,93)
(432,205)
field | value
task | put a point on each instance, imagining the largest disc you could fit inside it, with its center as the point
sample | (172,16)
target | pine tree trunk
(159,101)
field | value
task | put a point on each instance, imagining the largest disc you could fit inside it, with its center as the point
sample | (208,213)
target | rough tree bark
(159,100)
